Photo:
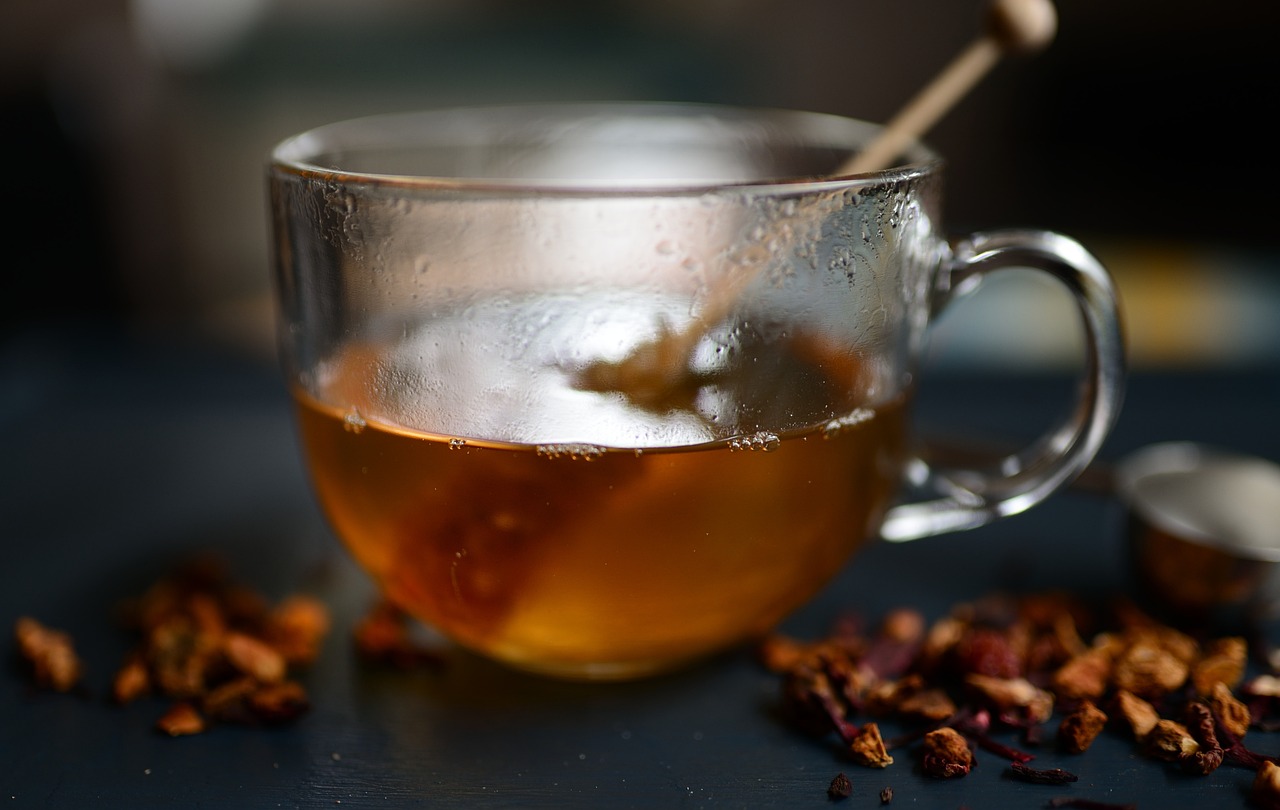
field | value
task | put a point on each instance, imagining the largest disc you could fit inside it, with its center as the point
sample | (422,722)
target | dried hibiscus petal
(1041,776)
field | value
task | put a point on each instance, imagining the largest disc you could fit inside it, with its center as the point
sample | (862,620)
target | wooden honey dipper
(657,369)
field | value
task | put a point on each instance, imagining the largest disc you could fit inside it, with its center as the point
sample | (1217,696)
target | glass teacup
(448,280)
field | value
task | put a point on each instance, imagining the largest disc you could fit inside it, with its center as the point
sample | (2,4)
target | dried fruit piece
(1004,694)
(279,702)
(132,680)
(383,636)
(229,702)
(1085,676)
(868,748)
(1140,716)
(1265,791)
(903,625)
(780,653)
(1149,671)
(254,657)
(886,795)
(50,654)
(1223,662)
(1169,740)
(297,627)
(1081,727)
(181,720)
(946,754)
(1229,711)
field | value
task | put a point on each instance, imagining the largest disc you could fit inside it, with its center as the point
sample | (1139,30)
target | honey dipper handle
(1012,25)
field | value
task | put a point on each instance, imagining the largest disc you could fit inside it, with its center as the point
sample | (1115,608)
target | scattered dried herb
(886,795)
(217,649)
(1041,776)
(1008,665)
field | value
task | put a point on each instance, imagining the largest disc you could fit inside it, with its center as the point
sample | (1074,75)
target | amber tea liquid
(570,532)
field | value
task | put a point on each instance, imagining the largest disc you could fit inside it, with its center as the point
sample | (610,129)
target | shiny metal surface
(1203,527)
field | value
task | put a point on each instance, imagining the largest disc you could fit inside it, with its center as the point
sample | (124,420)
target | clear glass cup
(448,281)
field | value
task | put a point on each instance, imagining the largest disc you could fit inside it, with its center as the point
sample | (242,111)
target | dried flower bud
(1223,662)
(868,748)
(1265,792)
(50,653)
(181,720)
(1169,741)
(1148,671)
(1140,716)
(1081,727)
(1013,693)
(1233,714)
(946,754)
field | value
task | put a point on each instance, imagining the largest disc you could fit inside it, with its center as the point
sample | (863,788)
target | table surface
(123,459)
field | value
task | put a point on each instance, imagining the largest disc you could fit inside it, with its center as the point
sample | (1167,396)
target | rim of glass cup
(305,154)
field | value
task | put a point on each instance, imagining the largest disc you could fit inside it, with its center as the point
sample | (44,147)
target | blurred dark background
(136,133)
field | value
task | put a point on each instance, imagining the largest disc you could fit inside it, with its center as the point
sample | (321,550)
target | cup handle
(975,497)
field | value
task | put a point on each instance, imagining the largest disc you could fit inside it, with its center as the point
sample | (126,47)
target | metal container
(1204,531)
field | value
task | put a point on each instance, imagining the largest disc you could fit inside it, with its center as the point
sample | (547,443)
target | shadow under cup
(446,280)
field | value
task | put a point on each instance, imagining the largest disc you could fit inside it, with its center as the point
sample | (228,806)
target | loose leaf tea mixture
(1015,663)
(220,652)
(216,649)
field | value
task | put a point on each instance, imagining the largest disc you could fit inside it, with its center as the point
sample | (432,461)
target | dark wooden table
(122,459)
